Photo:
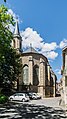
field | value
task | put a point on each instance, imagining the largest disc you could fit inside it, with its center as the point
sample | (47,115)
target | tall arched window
(35,75)
(25,75)
(14,44)
(51,87)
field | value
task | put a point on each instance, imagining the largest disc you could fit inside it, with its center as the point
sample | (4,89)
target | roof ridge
(30,49)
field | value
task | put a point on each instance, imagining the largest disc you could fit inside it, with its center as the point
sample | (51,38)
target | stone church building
(37,74)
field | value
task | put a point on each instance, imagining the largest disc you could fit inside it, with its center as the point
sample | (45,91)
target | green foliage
(4,0)
(3,98)
(9,59)
(5,33)
(10,67)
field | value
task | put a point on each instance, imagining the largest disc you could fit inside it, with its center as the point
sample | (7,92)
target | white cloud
(12,13)
(31,36)
(63,43)
(15,17)
(11,27)
(58,71)
(49,46)
(51,54)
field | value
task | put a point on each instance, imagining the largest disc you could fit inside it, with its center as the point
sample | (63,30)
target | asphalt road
(35,109)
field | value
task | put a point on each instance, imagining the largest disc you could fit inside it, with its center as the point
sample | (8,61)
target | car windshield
(18,94)
(30,93)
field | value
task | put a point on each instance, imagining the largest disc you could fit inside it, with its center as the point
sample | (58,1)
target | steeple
(16,32)
(17,40)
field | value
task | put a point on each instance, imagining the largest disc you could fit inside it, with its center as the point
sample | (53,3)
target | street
(35,109)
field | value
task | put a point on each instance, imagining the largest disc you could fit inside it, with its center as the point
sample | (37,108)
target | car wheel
(23,100)
(11,99)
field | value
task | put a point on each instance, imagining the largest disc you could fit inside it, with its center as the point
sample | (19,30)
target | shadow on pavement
(30,111)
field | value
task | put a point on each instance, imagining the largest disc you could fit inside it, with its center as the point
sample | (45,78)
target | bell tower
(17,40)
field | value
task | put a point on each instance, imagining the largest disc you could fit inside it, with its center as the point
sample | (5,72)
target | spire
(30,45)
(17,38)
(30,49)
(16,32)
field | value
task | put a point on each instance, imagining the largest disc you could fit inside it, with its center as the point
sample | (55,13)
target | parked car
(19,97)
(33,95)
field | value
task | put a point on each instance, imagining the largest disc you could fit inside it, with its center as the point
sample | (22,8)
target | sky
(43,23)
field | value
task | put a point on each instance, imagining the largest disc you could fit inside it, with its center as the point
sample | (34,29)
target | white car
(34,95)
(19,97)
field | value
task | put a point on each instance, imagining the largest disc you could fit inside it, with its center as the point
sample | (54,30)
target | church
(37,74)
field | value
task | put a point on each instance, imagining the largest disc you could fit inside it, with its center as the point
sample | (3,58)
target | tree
(10,66)
(5,34)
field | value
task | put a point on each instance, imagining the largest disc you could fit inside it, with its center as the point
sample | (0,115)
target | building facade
(36,74)
(64,76)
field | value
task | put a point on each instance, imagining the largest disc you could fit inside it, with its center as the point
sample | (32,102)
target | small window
(65,80)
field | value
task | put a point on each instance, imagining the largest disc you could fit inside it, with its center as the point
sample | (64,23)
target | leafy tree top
(5,33)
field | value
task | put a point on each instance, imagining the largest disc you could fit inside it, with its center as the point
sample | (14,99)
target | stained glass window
(25,74)
(35,75)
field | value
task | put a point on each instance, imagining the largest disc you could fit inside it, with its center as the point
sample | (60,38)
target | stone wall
(34,59)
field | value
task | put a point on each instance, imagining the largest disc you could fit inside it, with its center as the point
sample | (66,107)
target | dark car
(33,95)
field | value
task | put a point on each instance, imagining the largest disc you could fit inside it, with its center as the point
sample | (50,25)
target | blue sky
(44,24)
